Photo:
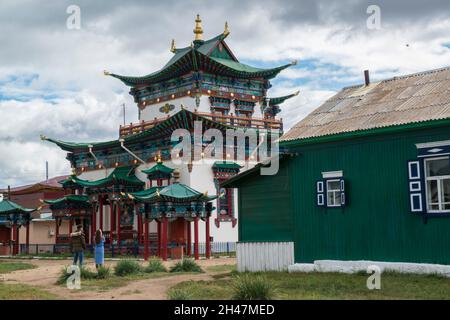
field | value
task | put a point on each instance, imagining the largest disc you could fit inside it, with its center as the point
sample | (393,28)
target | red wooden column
(159,238)
(118,225)
(111,221)
(17,240)
(189,240)
(93,223)
(57,227)
(70,225)
(101,213)
(146,232)
(196,238)
(27,239)
(164,238)
(139,225)
(207,240)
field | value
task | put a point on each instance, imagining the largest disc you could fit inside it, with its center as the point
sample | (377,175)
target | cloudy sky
(52,83)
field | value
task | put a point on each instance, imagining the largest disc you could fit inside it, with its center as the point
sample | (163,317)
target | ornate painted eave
(279,100)
(226,165)
(183,119)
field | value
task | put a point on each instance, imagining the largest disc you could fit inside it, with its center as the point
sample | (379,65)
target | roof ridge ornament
(43,138)
(198,31)
(173,47)
(294,62)
(226,30)
(106,72)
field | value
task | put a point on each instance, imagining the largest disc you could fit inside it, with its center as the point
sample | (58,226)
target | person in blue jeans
(78,245)
(99,249)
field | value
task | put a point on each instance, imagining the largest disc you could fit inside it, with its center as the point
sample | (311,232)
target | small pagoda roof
(201,55)
(10,207)
(183,119)
(175,192)
(279,100)
(159,167)
(69,199)
(226,165)
(124,175)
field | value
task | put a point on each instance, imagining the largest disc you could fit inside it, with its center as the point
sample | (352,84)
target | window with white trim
(437,184)
(333,193)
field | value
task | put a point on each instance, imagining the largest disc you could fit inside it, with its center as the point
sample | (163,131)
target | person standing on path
(78,245)
(99,249)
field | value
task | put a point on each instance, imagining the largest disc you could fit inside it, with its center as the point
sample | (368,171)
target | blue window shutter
(343,199)
(320,193)
(415,187)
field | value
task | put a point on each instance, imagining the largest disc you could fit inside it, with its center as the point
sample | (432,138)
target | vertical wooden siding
(265,212)
(376,224)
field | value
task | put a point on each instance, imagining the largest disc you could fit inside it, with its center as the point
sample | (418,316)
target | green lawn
(327,286)
(23,292)
(6,267)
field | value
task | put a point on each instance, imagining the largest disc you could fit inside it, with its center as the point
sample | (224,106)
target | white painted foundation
(362,266)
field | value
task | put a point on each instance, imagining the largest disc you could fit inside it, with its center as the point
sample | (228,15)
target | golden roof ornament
(198,31)
(226,31)
(172,46)
(43,137)
(106,72)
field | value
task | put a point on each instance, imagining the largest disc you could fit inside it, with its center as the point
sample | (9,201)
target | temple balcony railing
(231,120)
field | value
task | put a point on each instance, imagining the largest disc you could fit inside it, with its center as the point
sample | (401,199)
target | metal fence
(225,248)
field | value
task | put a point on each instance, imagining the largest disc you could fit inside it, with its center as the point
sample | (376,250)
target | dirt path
(46,273)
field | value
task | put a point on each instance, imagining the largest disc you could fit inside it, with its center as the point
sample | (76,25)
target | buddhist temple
(130,187)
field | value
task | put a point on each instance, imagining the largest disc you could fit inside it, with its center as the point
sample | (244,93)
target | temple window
(330,190)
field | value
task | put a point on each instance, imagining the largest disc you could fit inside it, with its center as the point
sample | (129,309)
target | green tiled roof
(279,100)
(10,207)
(183,119)
(198,57)
(226,165)
(121,175)
(173,192)
(159,167)
(73,198)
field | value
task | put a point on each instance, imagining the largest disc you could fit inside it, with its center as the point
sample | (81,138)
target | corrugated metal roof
(401,100)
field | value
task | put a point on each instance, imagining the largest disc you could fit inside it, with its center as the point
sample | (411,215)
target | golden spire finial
(158,158)
(198,31)
(226,31)
(172,46)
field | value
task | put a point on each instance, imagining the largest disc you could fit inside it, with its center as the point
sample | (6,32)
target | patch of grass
(155,265)
(23,292)
(222,268)
(103,273)
(126,267)
(6,267)
(340,286)
(249,286)
(179,294)
(186,265)
(85,274)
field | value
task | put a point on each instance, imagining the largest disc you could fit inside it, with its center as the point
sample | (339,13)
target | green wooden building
(366,176)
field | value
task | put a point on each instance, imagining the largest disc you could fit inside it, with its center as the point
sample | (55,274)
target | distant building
(42,224)
(369,180)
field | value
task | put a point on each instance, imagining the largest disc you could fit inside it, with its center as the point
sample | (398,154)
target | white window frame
(438,179)
(338,191)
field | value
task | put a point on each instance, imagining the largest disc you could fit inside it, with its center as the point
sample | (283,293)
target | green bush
(179,294)
(186,265)
(126,267)
(103,272)
(252,287)
(155,265)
